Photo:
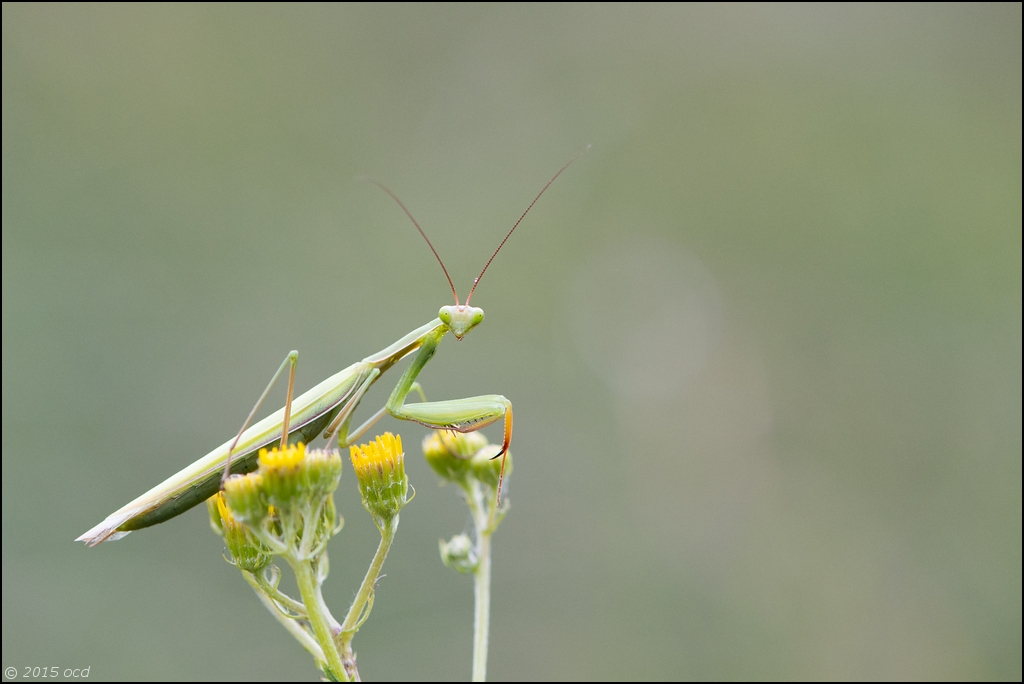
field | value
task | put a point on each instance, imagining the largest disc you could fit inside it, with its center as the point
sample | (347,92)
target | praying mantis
(329,407)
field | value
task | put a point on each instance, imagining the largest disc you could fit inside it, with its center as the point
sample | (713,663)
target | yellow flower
(379,455)
(380,469)
(280,459)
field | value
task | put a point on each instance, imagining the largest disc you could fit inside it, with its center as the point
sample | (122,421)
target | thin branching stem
(320,619)
(359,611)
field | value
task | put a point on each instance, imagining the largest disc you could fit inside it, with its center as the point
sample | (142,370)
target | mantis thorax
(460,318)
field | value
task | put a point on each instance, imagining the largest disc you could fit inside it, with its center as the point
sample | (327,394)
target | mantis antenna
(509,234)
(429,243)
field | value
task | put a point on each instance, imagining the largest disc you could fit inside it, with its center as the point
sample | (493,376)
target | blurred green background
(764,342)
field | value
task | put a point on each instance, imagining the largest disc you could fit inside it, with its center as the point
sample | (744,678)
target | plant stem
(352,619)
(482,520)
(320,618)
(482,613)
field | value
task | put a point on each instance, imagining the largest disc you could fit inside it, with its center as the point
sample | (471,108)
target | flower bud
(449,453)
(322,471)
(248,552)
(459,554)
(245,497)
(485,465)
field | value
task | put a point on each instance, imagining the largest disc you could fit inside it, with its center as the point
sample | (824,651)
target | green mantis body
(328,407)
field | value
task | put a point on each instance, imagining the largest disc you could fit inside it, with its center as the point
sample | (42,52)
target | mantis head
(461,318)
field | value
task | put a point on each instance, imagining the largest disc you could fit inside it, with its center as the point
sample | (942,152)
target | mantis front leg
(461,415)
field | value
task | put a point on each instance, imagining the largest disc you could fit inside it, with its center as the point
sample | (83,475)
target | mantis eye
(445,314)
